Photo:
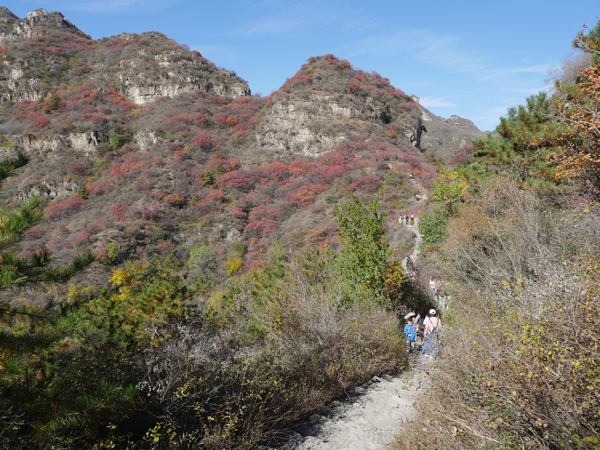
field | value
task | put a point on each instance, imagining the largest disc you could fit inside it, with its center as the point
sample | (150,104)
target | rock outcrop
(445,137)
(37,23)
(86,143)
(142,67)
(327,101)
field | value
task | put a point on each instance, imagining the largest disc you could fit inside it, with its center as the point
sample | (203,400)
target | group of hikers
(405,219)
(427,329)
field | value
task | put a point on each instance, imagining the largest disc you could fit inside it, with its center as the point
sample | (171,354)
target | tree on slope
(363,259)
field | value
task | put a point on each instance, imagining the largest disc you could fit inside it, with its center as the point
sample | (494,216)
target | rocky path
(373,413)
(415,228)
(418,240)
(370,417)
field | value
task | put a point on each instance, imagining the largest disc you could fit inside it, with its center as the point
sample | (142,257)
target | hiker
(412,219)
(411,336)
(433,325)
(413,315)
(432,287)
(406,219)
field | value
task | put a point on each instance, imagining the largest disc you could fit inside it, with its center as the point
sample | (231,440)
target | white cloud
(540,68)
(425,45)
(435,102)
(299,17)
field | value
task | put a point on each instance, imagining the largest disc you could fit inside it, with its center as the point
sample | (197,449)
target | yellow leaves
(120,277)
(234,265)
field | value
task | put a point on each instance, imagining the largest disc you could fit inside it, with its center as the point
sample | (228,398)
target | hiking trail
(370,418)
(374,412)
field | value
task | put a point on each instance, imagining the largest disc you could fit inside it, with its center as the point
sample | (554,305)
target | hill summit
(38,23)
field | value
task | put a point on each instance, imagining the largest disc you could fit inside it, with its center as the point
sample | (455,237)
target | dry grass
(520,362)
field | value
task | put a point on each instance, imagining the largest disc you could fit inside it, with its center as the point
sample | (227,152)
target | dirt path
(373,413)
(370,417)
(415,228)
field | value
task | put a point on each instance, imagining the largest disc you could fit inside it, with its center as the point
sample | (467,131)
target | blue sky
(470,58)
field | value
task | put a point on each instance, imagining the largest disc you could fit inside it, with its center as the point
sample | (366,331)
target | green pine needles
(363,259)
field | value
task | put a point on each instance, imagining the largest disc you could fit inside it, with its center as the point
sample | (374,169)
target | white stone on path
(370,420)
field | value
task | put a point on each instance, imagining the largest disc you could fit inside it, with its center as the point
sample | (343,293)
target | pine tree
(363,259)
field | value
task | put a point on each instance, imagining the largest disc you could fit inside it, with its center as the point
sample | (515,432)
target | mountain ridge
(137,142)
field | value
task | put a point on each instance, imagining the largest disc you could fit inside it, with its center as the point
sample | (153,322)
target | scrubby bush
(519,362)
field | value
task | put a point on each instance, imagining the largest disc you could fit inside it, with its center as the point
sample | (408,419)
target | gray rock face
(142,76)
(87,143)
(445,137)
(37,23)
(312,125)
(48,189)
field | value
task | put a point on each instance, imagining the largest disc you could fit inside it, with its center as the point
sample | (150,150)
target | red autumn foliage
(206,141)
(41,122)
(64,208)
(98,187)
(119,210)
(79,168)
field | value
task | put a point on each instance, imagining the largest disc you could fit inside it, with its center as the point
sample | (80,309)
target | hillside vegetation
(174,280)
(516,234)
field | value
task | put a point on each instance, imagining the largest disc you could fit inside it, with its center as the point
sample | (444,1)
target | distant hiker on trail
(433,325)
(412,219)
(411,336)
(432,287)
(411,176)
(406,219)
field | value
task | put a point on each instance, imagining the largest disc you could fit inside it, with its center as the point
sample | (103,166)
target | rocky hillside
(327,101)
(38,23)
(140,147)
(45,51)
(446,137)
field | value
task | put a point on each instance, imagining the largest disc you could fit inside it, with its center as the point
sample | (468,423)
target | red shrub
(345,64)
(368,183)
(353,85)
(239,214)
(80,238)
(79,168)
(98,187)
(175,200)
(200,118)
(205,141)
(219,118)
(41,122)
(118,211)
(64,208)
(35,233)
(306,194)
(231,121)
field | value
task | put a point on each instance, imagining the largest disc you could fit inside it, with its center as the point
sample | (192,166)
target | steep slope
(191,163)
(38,23)
(327,101)
(444,138)
(45,51)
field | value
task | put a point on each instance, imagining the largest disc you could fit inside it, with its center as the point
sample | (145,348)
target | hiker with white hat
(433,326)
